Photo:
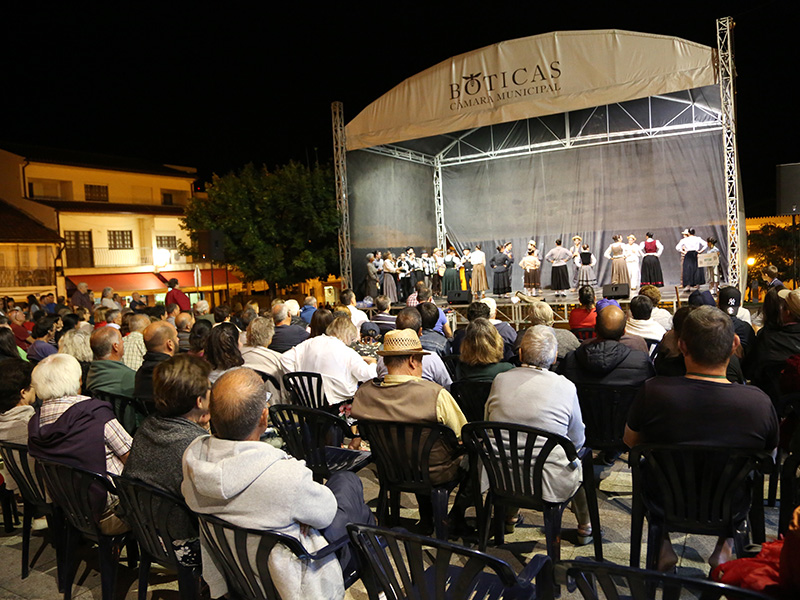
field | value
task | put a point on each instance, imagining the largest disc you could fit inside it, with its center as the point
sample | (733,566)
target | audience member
(16,397)
(605,360)
(382,318)
(258,356)
(8,343)
(442,326)
(134,342)
(402,395)
(136,304)
(161,341)
(506,331)
(703,407)
(641,322)
(44,334)
(21,334)
(286,335)
(730,299)
(533,395)
(76,343)
(107,299)
(173,310)
(198,336)
(341,367)
(222,350)
(107,373)
(114,318)
(309,308)
(202,311)
(430,339)
(433,368)
(660,315)
(176,296)
(348,299)
(320,321)
(634,342)
(779,338)
(181,398)
(585,315)
(475,310)
(81,297)
(77,430)
(184,323)
(294,311)
(542,314)
(770,276)
(481,353)
(369,342)
(234,476)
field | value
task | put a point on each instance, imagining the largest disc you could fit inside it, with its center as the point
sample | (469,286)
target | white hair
(539,346)
(57,376)
(293,306)
(75,342)
(492,304)
(201,307)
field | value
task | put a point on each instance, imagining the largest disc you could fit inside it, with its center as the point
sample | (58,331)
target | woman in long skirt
(479,281)
(502,278)
(632,255)
(651,264)
(531,265)
(616,254)
(450,280)
(587,261)
(689,247)
(389,275)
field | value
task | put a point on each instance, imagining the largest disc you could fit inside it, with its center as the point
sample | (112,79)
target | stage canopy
(585,132)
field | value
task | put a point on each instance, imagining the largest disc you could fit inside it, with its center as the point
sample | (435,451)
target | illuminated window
(120,240)
(96,193)
(170,242)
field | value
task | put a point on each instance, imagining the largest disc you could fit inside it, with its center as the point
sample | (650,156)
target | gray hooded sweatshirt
(253,485)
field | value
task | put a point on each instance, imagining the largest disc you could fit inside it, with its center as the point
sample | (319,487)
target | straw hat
(792,298)
(401,342)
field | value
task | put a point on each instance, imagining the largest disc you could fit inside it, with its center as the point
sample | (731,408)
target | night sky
(216,88)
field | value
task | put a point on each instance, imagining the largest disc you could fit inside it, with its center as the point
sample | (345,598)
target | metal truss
(737,237)
(342,203)
(441,231)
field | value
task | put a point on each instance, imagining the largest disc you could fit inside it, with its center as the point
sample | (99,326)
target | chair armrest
(329,549)
(541,568)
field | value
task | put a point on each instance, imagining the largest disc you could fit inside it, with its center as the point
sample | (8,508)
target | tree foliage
(280,226)
(772,245)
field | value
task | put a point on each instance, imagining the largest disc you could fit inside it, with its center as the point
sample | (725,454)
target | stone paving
(614,499)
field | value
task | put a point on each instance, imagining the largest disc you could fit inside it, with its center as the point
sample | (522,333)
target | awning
(126,283)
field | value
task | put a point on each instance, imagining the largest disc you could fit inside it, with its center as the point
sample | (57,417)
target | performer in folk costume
(586,262)
(632,255)
(501,284)
(414,267)
(531,265)
(389,277)
(559,256)
(428,268)
(438,272)
(616,254)
(479,281)
(689,247)
(371,280)
(507,249)
(713,273)
(651,265)
(466,270)
(450,280)
(379,267)
(403,277)
(577,242)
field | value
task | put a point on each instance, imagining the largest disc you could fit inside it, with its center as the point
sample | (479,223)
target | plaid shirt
(117,440)
(134,350)
(412,300)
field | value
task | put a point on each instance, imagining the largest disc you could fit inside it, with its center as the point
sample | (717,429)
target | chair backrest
(698,489)
(405,565)
(451,362)
(81,494)
(306,388)
(23,470)
(606,580)
(236,550)
(583,333)
(152,514)
(652,347)
(267,378)
(605,412)
(514,457)
(402,450)
(306,432)
(471,397)
(130,412)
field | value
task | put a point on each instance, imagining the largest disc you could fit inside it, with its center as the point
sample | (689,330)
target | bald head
(238,405)
(610,323)
(161,336)
(106,343)
(184,321)
(138,323)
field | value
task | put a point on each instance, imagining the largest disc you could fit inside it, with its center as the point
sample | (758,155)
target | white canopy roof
(530,77)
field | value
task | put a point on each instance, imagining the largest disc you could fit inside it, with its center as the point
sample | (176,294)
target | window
(96,193)
(79,249)
(166,198)
(170,242)
(120,240)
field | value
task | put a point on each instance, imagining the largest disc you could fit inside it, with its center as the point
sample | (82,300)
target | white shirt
(646,328)
(478,258)
(632,252)
(341,367)
(691,244)
(357,316)
(659,248)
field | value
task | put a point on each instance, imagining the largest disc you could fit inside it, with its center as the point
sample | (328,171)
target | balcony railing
(27,277)
(111,257)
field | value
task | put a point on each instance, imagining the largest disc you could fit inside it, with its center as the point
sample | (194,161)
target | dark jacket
(287,336)
(144,378)
(607,362)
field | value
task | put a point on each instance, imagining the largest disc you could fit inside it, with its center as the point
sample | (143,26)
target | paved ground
(614,498)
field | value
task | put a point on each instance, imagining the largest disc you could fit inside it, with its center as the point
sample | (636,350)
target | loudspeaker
(459,297)
(211,244)
(788,186)
(617,291)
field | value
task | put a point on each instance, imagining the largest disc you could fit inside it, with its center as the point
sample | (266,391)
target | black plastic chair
(306,389)
(790,491)
(705,490)
(514,464)
(34,497)
(130,412)
(152,513)
(583,333)
(605,412)
(402,452)
(615,581)
(232,550)
(451,362)
(315,436)
(471,397)
(267,378)
(81,496)
(9,504)
(403,565)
